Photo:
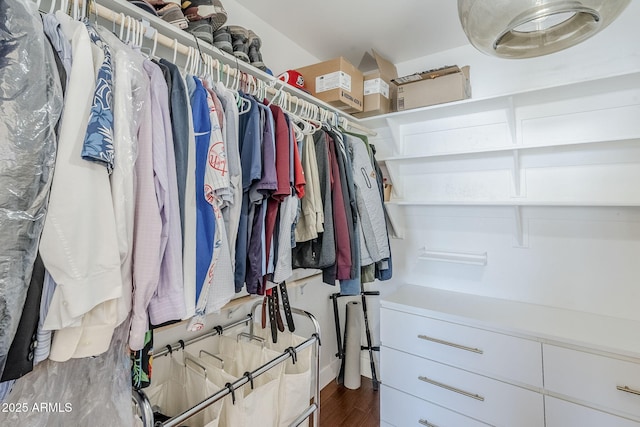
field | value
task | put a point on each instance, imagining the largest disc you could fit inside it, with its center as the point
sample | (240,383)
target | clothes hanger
(141,31)
(244,105)
(197,62)
(155,44)
(200,65)
(219,68)
(277,94)
(123,19)
(84,13)
(299,133)
(227,72)
(256,83)
(175,50)
(135,33)
(186,64)
(307,128)
(314,125)
(129,30)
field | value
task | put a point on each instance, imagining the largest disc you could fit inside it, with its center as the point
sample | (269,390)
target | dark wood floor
(340,406)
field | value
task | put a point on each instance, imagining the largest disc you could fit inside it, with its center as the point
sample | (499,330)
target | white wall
(278,52)
(612,51)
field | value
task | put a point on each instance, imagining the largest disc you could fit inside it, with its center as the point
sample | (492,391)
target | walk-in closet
(227,213)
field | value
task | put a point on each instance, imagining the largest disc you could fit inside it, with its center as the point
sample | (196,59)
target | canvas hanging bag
(295,386)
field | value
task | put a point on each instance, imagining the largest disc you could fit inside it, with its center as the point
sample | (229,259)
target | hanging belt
(287,306)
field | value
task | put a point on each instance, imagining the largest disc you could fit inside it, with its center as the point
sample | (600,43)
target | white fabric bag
(167,393)
(295,385)
(259,403)
(177,387)
(199,386)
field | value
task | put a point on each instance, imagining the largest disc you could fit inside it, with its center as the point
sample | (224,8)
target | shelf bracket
(511,121)
(394,127)
(521,229)
(394,176)
(516,172)
(395,220)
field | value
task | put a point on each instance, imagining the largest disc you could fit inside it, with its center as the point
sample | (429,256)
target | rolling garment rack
(146,411)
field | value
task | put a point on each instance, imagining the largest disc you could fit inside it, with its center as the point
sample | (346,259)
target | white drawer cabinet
(560,413)
(504,363)
(405,410)
(593,378)
(482,351)
(491,401)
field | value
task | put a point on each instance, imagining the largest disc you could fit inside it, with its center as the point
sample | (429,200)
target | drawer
(592,378)
(560,413)
(491,353)
(403,410)
(476,396)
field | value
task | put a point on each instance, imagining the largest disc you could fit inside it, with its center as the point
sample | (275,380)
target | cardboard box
(379,92)
(336,82)
(433,87)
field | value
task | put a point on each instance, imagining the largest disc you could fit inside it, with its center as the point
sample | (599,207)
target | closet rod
(216,331)
(296,95)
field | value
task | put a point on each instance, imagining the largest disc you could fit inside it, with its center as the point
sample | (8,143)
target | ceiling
(399,30)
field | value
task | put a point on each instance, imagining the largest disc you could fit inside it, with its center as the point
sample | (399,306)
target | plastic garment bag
(295,384)
(30,106)
(93,391)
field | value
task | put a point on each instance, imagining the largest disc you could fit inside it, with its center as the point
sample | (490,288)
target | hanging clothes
(320,252)
(80,210)
(231,209)
(167,303)
(373,237)
(251,164)
(218,290)
(311,221)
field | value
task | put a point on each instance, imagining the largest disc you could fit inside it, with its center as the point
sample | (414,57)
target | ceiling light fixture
(528,28)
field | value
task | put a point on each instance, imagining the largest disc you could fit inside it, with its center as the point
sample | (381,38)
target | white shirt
(80,211)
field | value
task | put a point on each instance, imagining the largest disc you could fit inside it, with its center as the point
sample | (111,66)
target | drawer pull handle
(451,344)
(628,390)
(448,387)
(426,423)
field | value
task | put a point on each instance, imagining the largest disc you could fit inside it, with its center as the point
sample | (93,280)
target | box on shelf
(379,92)
(445,84)
(336,82)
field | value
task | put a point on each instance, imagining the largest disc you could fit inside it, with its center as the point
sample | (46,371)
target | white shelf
(528,149)
(511,100)
(508,149)
(510,203)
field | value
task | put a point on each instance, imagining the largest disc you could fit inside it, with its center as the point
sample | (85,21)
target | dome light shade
(528,28)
